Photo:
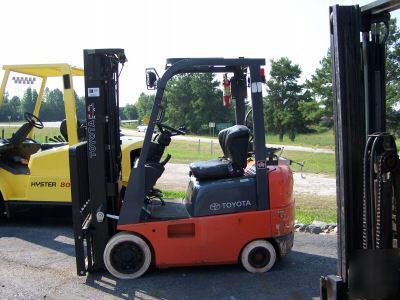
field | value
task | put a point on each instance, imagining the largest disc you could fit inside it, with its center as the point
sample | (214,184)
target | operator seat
(234,142)
(154,167)
(64,130)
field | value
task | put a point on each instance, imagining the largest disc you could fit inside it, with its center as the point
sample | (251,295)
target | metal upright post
(95,163)
(349,121)
(239,93)
(359,109)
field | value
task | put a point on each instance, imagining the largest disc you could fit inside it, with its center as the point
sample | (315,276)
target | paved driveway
(37,262)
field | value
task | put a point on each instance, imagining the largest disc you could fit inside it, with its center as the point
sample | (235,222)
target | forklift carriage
(237,208)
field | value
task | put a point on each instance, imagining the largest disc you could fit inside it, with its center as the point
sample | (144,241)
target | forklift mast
(367,163)
(96,163)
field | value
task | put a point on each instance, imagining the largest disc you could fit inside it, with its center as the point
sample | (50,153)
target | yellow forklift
(33,173)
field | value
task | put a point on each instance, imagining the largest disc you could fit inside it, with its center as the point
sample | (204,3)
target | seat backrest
(63,129)
(234,142)
(81,130)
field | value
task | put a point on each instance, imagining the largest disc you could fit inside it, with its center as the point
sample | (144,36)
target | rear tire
(258,256)
(127,256)
(2,208)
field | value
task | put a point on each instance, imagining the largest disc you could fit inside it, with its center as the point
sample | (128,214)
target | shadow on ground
(294,277)
(42,229)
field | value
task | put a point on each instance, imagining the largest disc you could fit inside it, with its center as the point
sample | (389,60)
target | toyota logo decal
(215,206)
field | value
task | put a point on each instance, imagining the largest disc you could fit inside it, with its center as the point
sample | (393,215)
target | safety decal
(93,92)
(261,164)
(256,87)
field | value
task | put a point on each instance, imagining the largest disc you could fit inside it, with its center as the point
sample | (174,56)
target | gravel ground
(37,262)
(176,177)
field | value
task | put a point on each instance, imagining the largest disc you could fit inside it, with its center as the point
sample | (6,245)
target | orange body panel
(280,186)
(220,239)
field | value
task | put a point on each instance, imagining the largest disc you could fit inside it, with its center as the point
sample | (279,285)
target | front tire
(258,256)
(127,256)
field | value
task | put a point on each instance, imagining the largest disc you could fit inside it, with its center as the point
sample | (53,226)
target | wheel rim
(259,257)
(127,257)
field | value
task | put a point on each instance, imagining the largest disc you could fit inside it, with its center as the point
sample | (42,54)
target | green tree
(29,100)
(320,84)
(5,112)
(6,97)
(178,98)
(320,87)
(10,108)
(194,100)
(392,77)
(282,113)
(15,108)
(144,105)
(129,112)
(53,106)
(311,112)
(80,107)
(4,109)
(207,103)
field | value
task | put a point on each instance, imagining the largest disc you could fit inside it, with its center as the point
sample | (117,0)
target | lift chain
(364,210)
(381,197)
(396,205)
(387,169)
(378,204)
(365,227)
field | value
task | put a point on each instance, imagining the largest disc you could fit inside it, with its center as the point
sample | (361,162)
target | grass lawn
(38,134)
(315,140)
(314,207)
(320,163)
(308,207)
(132,126)
(187,152)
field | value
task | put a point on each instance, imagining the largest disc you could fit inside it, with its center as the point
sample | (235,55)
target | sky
(48,31)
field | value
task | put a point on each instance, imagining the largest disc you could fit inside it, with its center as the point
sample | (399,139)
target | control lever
(166,160)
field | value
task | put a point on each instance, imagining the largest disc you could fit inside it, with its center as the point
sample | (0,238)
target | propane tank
(226,88)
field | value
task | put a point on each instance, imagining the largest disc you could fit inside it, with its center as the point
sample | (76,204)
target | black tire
(127,256)
(258,256)
(2,208)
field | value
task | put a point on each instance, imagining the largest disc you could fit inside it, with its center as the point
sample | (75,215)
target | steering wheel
(249,119)
(33,120)
(249,123)
(174,131)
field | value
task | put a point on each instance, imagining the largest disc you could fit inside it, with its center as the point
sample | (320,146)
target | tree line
(194,100)
(51,109)
(290,107)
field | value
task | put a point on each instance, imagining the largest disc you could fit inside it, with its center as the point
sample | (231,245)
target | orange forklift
(237,208)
